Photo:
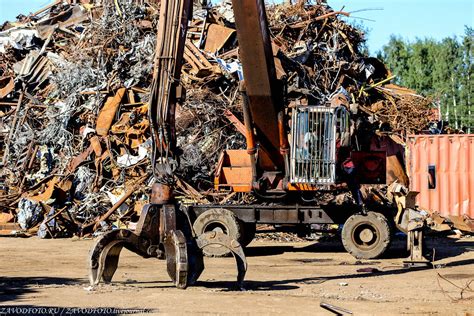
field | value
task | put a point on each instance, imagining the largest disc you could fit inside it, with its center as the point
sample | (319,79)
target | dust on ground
(283,278)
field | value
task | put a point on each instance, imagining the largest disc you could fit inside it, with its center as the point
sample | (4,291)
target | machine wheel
(248,233)
(366,236)
(219,220)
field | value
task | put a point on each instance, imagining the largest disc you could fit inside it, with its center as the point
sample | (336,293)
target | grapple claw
(213,237)
(184,258)
(177,258)
(104,255)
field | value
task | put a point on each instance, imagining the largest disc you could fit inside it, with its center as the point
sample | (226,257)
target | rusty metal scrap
(74,116)
(75,79)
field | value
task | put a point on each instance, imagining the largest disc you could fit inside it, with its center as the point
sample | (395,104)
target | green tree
(467,75)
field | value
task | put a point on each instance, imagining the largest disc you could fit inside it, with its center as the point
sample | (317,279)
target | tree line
(442,70)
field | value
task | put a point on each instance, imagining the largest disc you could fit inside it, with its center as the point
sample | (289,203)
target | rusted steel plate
(217,37)
(6,86)
(107,114)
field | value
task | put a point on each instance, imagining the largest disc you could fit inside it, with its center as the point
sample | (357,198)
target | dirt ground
(283,278)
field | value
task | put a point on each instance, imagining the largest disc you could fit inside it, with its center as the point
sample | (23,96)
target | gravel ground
(290,278)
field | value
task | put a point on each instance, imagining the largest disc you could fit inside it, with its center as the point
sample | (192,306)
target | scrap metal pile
(74,85)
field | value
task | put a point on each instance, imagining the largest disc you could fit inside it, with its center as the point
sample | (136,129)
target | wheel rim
(217,227)
(365,236)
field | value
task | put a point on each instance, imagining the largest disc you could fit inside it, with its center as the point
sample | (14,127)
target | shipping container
(441,169)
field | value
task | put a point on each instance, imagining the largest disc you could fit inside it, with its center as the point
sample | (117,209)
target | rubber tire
(383,235)
(249,231)
(221,217)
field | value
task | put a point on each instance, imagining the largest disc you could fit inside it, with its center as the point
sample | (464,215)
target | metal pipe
(249,134)
(284,145)
(165,92)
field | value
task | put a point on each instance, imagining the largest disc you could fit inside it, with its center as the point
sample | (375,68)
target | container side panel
(452,188)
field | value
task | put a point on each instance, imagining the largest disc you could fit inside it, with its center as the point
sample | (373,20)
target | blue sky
(9,9)
(408,18)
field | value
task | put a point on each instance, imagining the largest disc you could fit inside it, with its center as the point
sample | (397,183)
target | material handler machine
(292,153)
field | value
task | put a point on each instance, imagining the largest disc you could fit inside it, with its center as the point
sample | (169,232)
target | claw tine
(234,246)
(110,258)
